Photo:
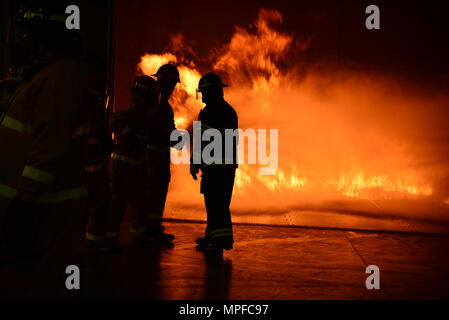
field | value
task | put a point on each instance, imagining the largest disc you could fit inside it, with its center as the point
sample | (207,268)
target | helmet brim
(218,85)
(157,76)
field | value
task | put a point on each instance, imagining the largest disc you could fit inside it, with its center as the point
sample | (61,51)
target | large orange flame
(346,135)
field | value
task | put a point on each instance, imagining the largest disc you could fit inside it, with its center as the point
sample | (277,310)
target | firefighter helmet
(143,83)
(210,80)
(168,71)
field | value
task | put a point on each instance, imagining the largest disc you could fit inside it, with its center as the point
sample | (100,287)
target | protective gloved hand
(21,226)
(194,171)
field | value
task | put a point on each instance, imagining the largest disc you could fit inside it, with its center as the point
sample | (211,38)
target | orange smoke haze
(347,140)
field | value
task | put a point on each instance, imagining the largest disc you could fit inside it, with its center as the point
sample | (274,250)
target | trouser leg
(138,220)
(99,205)
(63,227)
(59,241)
(119,203)
(219,225)
(138,204)
(156,198)
(4,203)
(217,190)
(121,182)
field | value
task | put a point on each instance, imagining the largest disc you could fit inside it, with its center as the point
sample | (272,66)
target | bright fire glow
(343,135)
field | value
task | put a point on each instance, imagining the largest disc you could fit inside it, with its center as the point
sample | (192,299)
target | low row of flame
(351,185)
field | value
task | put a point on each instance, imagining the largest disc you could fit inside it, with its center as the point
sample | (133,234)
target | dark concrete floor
(266,263)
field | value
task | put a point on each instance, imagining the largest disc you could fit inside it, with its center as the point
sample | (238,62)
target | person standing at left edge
(43,142)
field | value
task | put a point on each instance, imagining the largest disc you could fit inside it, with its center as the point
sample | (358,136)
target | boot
(207,243)
(204,241)
(158,237)
(103,246)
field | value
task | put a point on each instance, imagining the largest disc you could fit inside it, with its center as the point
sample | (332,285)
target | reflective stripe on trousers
(95,168)
(220,233)
(123,158)
(156,147)
(91,237)
(109,235)
(138,230)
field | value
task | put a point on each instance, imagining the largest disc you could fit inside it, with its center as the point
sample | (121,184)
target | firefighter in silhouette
(100,146)
(217,178)
(128,170)
(158,153)
(43,135)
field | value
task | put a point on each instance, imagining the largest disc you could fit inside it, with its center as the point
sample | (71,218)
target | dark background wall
(94,16)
